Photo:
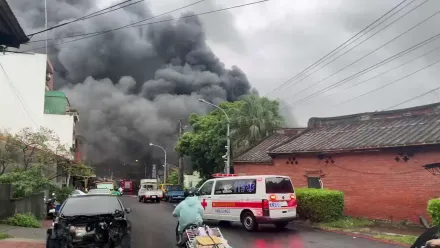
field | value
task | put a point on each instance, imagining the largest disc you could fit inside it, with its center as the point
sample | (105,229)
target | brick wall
(375,185)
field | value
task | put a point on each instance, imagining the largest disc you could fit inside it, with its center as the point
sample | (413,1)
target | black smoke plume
(131,86)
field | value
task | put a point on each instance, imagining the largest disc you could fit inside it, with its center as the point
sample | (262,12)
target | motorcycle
(51,206)
(432,232)
(188,239)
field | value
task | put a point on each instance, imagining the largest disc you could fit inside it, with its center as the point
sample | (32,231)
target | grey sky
(283,37)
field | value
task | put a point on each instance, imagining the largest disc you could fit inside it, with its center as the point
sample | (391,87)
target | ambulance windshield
(278,185)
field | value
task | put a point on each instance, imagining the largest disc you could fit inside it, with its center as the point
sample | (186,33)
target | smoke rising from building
(131,86)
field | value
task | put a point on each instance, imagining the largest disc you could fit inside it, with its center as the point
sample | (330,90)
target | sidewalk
(23,237)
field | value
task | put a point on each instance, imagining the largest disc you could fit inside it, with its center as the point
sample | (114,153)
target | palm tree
(257,118)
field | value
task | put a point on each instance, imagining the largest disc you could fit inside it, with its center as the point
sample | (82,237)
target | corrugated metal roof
(259,154)
(374,130)
(55,103)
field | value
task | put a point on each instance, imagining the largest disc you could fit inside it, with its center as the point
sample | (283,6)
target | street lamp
(228,139)
(145,168)
(165,164)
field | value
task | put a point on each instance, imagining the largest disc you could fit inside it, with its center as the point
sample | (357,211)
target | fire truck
(127,185)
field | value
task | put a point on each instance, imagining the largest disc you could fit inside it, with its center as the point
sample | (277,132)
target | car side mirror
(128,210)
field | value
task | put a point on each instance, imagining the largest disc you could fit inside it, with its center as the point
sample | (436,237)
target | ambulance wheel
(249,222)
(281,225)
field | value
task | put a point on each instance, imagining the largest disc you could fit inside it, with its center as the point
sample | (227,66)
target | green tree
(205,144)
(173,178)
(256,118)
(33,147)
(252,119)
(28,181)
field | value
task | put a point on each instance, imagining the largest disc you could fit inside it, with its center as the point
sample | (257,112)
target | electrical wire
(342,46)
(413,98)
(393,82)
(91,15)
(17,94)
(366,55)
(368,69)
(385,72)
(132,25)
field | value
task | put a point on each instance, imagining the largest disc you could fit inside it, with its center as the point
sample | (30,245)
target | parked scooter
(432,232)
(51,206)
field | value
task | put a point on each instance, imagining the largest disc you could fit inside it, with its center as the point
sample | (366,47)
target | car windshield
(90,205)
(99,191)
(175,188)
(278,185)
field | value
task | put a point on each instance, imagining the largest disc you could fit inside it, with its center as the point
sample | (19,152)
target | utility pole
(45,22)
(180,155)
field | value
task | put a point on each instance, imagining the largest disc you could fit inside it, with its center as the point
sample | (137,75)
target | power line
(17,94)
(342,46)
(393,82)
(411,99)
(385,72)
(385,61)
(93,14)
(366,55)
(132,25)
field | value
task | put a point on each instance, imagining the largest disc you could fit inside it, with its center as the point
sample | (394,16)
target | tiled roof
(397,128)
(259,154)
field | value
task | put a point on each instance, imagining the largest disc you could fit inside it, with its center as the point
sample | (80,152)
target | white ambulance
(251,200)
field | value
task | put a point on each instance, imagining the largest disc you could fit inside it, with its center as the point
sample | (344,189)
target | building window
(314,182)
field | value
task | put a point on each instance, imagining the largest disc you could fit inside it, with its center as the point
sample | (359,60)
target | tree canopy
(30,160)
(251,119)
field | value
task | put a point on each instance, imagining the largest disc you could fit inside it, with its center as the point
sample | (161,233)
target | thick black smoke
(131,86)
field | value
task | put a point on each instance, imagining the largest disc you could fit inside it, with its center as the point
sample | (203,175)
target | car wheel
(249,222)
(281,225)
(144,199)
(125,242)
(52,243)
(140,199)
(158,201)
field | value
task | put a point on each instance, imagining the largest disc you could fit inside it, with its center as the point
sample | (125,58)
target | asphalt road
(153,226)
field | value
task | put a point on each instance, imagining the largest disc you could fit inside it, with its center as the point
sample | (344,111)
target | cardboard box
(209,242)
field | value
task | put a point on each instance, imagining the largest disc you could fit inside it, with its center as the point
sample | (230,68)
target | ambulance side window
(206,189)
(242,186)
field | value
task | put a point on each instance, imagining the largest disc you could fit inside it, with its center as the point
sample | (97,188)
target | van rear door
(281,196)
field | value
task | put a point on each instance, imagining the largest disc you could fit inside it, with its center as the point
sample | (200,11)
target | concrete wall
(63,126)
(22,87)
(22,96)
(374,184)
(33,204)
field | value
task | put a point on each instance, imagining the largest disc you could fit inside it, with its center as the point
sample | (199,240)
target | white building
(27,99)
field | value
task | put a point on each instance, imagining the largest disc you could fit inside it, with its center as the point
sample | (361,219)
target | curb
(23,240)
(357,235)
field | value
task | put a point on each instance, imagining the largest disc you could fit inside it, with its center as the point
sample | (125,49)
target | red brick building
(375,158)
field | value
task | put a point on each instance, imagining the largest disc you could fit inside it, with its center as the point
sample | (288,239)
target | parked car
(78,192)
(174,193)
(100,192)
(90,221)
